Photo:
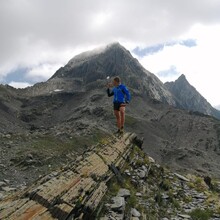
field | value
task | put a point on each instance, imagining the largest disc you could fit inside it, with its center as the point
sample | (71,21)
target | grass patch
(199,214)
(75,143)
(52,149)
(198,184)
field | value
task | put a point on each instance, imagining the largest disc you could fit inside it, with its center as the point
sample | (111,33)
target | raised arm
(110,93)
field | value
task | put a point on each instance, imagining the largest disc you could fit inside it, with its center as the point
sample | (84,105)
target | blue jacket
(121,94)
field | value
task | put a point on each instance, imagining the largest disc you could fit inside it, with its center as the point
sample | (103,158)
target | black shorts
(117,105)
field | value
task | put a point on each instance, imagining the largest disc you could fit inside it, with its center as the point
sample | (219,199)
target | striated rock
(199,196)
(55,195)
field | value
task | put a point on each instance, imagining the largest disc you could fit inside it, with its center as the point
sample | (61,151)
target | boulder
(128,172)
(184,216)
(118,203)
(138,194)
(142,174)
(181,177)
(8,136)
(6,181)
(30,156)
(151,160)
(124,193)
(138,141)
(2,184)
(208,181)
(165,196)
(135,212)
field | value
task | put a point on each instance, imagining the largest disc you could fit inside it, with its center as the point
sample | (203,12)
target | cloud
(19,85)
(42,72)
(188,43)
(217,107)
(40,35)
(200,63)
(141,52)
(171,72)
(29,27)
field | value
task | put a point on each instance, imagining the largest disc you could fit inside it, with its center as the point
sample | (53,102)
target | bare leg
(122,114)
(118,118)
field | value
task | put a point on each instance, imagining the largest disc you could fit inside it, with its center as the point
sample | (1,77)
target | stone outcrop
(114,179)
(159,194)
(73,192)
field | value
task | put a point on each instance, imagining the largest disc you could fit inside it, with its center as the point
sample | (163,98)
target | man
(121,98)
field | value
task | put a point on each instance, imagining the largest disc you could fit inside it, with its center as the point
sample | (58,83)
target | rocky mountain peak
(85,56)
(92,67)
(180,82)
(182,78)
(109,52)
(189,98)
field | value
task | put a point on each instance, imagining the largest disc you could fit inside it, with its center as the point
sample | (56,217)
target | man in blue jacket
(121,98)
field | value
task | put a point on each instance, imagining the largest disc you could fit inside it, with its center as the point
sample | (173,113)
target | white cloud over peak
(42,72)
(41,35)
(200,63)
(19,85)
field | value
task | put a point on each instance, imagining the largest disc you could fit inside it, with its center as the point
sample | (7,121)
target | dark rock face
(189,98)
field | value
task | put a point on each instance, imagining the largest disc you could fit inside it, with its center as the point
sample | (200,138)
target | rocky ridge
(151,191)
(63,193)
(115,179)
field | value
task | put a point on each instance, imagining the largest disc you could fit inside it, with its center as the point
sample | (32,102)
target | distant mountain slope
(9,110)
(189,98)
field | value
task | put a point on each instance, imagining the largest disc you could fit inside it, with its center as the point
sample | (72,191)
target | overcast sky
(169,37)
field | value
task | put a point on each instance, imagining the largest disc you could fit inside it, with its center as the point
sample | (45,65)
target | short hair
(117,79)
